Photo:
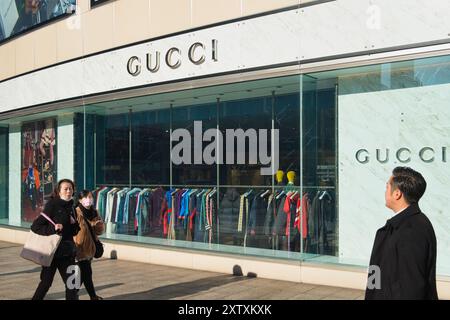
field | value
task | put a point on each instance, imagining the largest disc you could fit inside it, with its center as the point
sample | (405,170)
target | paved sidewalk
(117,279)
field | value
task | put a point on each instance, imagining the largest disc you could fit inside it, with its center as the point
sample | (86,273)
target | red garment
(290,199)
(191,218)
(287,210)
(164,211)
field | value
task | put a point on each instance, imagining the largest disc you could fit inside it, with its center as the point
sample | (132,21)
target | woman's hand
(58,227)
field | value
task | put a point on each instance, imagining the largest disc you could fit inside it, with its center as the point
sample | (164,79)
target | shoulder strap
(46,217)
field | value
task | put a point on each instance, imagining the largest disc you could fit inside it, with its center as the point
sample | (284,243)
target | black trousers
(86,277)
(47,275)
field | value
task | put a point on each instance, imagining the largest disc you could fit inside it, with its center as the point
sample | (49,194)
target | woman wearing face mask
(87,217)
(60,210)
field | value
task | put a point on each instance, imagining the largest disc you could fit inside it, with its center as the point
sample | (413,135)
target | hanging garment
(319,222)
(156,218)
(211,216)
(258,213)
(301,217)
(142,210)
(95,195)
(200,233)
(229,211)
(101,201)
(121,196)
(280,220)
(110,203)
(192,210)
(130,205)
(114,207)
(271,214)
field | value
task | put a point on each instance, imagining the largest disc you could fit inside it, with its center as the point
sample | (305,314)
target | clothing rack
(262,216)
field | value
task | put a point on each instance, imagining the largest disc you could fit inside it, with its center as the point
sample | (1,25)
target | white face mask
(87,202)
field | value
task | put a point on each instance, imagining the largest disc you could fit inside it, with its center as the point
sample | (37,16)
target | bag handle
(46,217)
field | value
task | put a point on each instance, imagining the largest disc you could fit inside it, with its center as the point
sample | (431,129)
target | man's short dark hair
(410,182)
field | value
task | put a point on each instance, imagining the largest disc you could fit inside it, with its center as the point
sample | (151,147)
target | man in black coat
(403,260)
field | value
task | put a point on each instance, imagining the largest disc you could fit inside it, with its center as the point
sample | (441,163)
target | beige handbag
(41,249)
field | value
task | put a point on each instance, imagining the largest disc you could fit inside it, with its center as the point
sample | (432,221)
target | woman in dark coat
(60,210)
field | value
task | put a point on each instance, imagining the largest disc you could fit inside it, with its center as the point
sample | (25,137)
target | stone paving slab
(126,280)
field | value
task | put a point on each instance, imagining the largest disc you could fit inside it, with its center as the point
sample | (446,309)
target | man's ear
(397,194)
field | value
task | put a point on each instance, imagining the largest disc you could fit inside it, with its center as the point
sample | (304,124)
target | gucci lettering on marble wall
(173,58)
(402,155)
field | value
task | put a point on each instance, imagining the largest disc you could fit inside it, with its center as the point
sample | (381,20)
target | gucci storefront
(147,128)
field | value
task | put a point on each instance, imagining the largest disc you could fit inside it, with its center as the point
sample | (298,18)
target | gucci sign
(173,58)
(402,155)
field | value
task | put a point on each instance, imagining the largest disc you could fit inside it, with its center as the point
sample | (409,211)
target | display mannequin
(291,177)
(279,177)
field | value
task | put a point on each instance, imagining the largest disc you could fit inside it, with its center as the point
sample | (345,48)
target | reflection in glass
(191,172)
(4,174)
(150,158)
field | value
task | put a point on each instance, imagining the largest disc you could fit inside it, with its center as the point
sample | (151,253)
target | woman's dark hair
(83,194)
(57,190)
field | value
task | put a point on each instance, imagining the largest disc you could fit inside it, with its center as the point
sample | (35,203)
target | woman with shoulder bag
(60,210)
(87,243)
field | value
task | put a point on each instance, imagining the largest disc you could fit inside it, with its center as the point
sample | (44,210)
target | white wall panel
(319,31)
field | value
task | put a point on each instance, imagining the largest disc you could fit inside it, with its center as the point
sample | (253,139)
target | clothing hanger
(212,192)
(322,195)
(325,193)
(281,193)
(201,192)
(262,196)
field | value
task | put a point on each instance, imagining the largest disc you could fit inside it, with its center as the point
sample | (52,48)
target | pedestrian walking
(91,225)
(60,210)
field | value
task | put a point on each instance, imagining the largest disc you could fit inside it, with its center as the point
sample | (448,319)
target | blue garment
(102,197)
(126,209)
(142,209)
(143,203)
(121,204)
(184,205)
(169,205)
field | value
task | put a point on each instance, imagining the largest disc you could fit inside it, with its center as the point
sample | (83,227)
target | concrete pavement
(124,280)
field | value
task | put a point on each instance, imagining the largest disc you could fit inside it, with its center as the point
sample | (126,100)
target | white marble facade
(413,118)
(320,31)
